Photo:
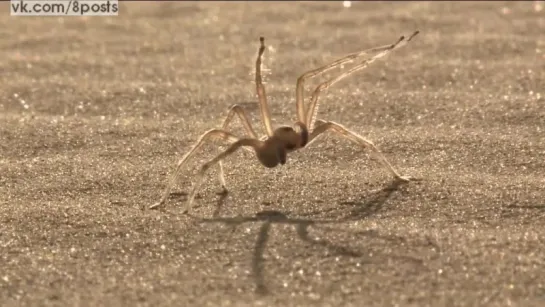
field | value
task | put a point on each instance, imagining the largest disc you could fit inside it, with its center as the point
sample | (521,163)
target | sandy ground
(94,113)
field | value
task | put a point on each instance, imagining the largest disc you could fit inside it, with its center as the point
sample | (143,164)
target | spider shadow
(366,206)
(267,218)
(373,203)
(182,196)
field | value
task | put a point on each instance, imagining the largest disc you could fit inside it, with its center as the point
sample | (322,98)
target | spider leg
(241,113)
(299,91)
(209,135)
(352,136)
(260,89)
(252,143)
(312,111)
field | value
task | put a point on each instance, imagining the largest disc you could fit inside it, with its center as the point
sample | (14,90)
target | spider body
(284,140)
(273,149)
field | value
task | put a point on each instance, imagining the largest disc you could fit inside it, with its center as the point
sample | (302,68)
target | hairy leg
(299,91)
(358,139)
(241,113)
(260,89)
(256,145)
(312,110)
(207,136)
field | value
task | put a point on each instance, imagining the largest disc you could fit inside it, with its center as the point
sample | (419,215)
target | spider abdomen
(270,157)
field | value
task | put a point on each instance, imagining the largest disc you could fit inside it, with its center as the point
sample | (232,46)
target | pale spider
(273,148)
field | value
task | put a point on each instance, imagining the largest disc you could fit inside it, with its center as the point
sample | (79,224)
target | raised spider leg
(210,134)
(255,144)
(260,89)
(299,91)
(312,111)
(241,113)
(358,139)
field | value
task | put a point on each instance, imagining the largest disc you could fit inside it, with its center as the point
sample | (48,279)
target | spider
(273,148)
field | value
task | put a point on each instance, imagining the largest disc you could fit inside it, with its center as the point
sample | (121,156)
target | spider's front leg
(244,119)
(242,143)
(323,126)
(207,136)
(308,115)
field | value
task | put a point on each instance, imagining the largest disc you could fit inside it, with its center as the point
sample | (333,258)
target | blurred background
(175,58)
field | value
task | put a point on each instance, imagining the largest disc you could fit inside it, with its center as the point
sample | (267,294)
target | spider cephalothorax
(273,149)
(283,141)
